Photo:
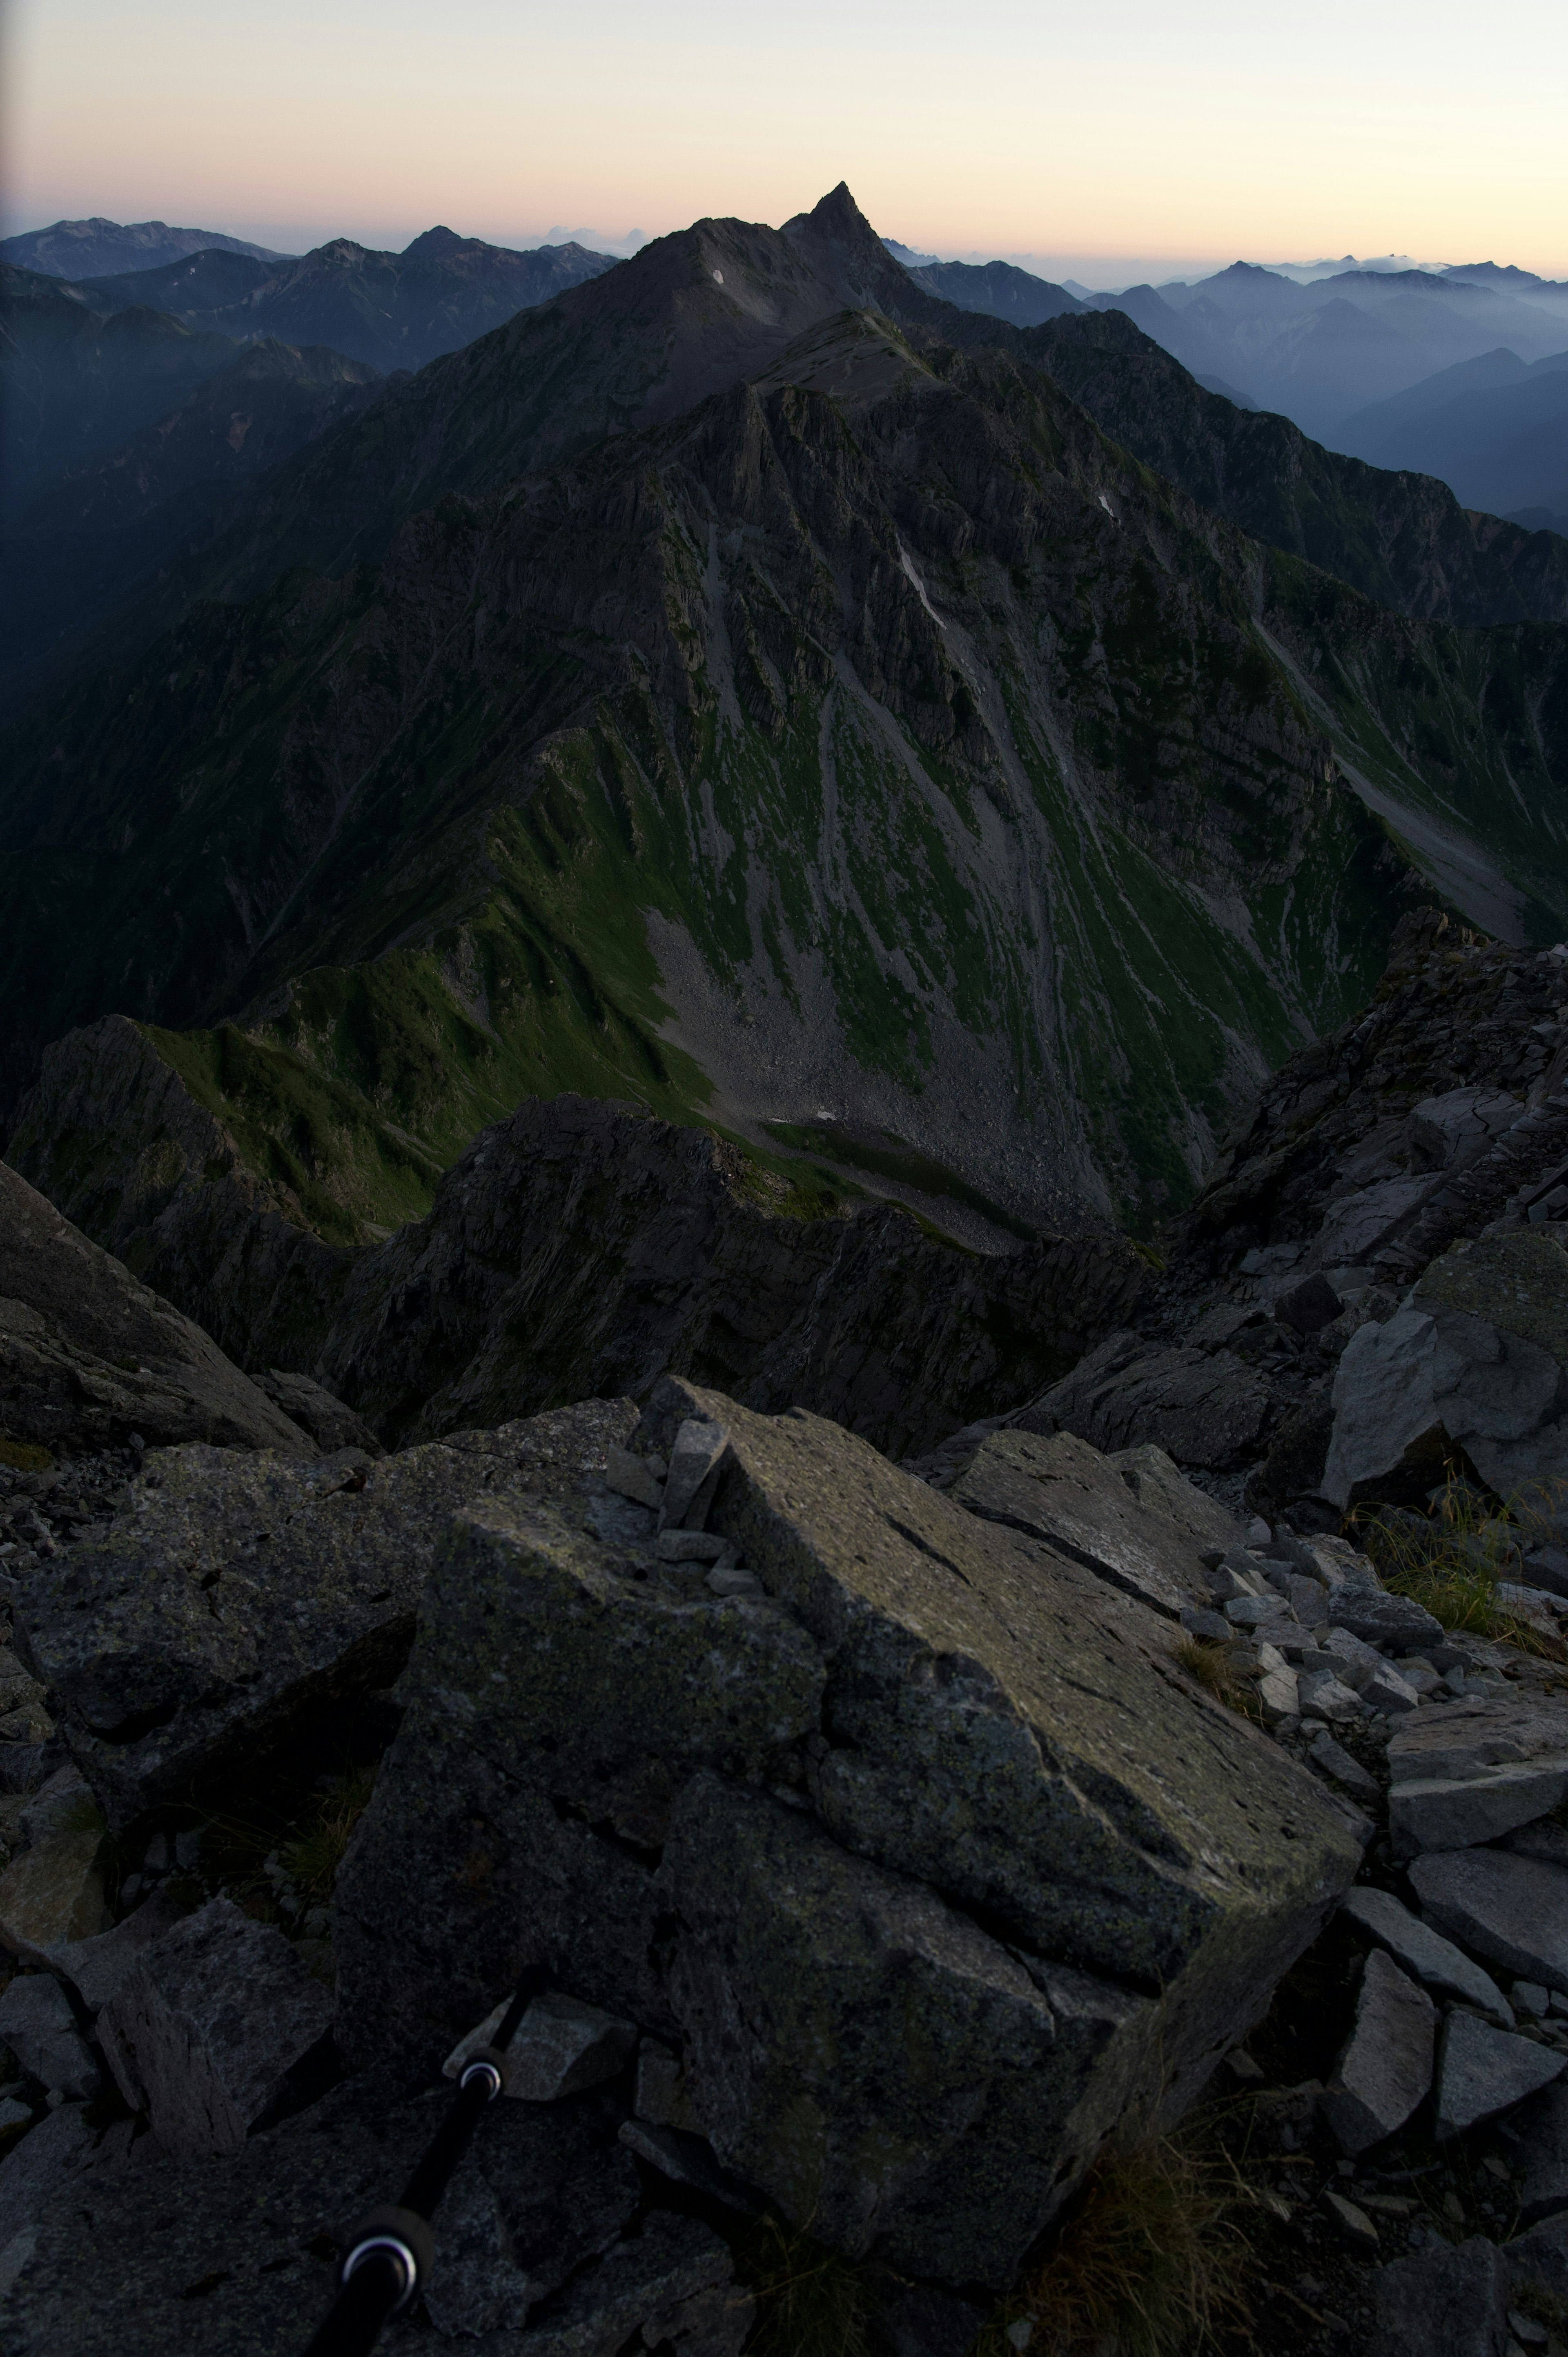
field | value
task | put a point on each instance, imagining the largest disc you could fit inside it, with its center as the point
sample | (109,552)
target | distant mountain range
(96,375)
(750,684)
(1495,428)
(90,249)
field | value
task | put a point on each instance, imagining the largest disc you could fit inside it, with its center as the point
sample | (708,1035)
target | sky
(1124,140)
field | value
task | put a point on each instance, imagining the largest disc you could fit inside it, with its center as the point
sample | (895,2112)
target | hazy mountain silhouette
(90,249)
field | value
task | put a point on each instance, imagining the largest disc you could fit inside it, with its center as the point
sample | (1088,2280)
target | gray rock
(1513,1910)
(633,1477)
(234,2250)
(1529,1998)
(1385,2065)
(1448,1132)
(688,2159)
(694,1457)
(536,2195)
(673,2290)
(1256,1611)
(1368,1611)
(1455,1813)
(1201,1409)
(54,1890)
(689,1546)
(96,1967)
(1434,1959)
(560,2046)
(38,2025)
(1547,1839)
(39,2166)
(1477,1359)
(1201,1623)
(1483,2072)
(236,1592)
(1336,1762)
(1324,1696)
(1064,1492)
(89,1356)
(1465,1739)
(1387,1692)
(1352,2222)
(1450,2297)
(217,2028)
(1158,1482)
(315,1410)
(607,1771)
(1540,2128)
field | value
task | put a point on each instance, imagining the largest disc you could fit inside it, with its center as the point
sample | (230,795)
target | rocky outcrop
(89,1356)
(907,1784)
(581,1249)
(236,1597)
(1371,1289)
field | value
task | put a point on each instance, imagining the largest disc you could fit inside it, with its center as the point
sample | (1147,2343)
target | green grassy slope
(906,739)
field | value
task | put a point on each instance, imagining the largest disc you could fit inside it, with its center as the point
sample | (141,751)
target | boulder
(580,1247)
(1512,1909)
(1451,2296)
(311,1407)
(1385,2065)
(1540,2130)
(237,1593)
(1200,1408)
(37,2170)
(673,2290)
(53,1891)
(1475,1362)
(38,2025)
(1434,1959)
(1158,1482)
(923,1860)
(560,2046)
(217,2028)
(235,2250)
(1483,2072)
(1063,1491)
(89,1356)
(1475,1771)
(96,1966)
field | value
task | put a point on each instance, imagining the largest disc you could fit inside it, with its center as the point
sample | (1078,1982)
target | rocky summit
(783,1352)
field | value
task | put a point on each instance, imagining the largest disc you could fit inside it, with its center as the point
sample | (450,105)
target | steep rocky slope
(1402,539)
(111,514)
(871,755)
(774,761)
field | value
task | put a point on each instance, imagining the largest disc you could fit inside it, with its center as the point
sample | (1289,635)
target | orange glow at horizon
(1002,129)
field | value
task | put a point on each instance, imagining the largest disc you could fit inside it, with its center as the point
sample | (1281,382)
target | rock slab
(930,1771)
(1385,2066)
(218,2028)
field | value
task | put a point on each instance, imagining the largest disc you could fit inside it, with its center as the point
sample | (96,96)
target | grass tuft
(810,2301)
(1151,2261)
(1211,1665)
(1451,1561)
(311,1861)
(23,1455)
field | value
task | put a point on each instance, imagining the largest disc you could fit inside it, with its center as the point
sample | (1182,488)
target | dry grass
(1211,1665)
(810,2302)
(311,1861)
(1451,1562)
(23,1455)
(1153,2260)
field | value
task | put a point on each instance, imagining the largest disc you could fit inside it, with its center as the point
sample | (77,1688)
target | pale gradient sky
(1124,128)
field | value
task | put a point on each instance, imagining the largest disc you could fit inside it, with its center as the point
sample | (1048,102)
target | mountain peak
(434,242)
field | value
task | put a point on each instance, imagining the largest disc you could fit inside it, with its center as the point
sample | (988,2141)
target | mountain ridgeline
(749,686)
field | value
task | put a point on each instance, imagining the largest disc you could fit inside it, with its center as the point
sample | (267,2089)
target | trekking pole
(390,2253)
